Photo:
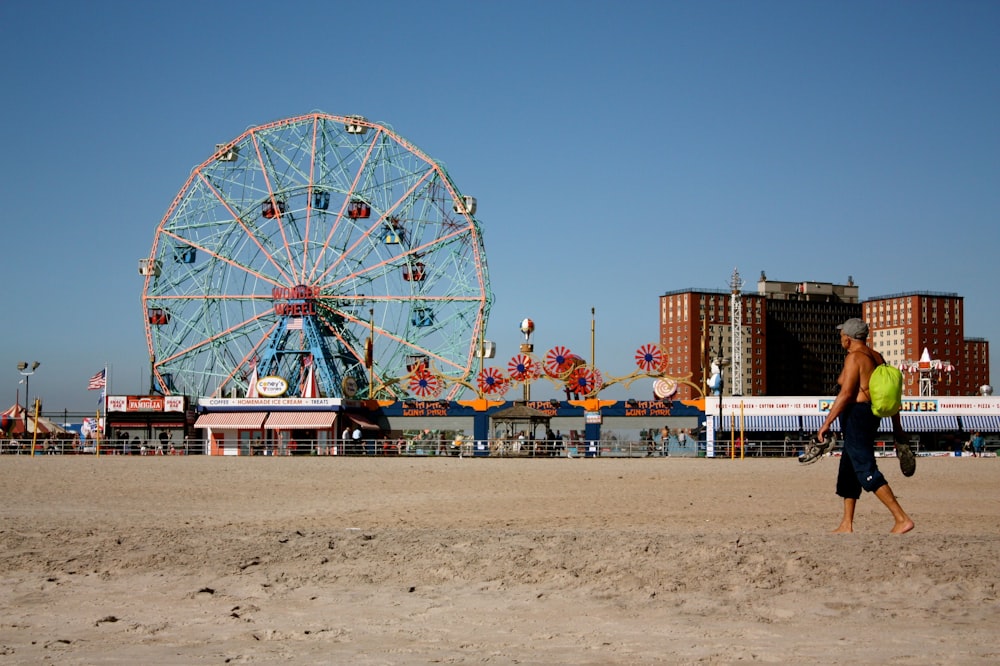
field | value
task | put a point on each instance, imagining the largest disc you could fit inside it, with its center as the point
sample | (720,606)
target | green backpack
(885,388)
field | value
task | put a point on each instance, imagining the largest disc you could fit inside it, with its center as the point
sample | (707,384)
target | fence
(499,448)
(67,446)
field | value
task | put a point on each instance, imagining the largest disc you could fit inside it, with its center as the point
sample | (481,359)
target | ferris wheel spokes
(362,218)
(225,227)
(349,196)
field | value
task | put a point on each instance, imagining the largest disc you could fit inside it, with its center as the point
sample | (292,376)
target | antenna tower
(736,337)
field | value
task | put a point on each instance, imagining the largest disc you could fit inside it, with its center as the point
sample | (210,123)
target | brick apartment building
(789,344)
(904,325)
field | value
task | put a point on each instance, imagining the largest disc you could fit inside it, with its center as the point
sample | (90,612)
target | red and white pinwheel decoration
(425,385)
(523,368)
(559,361)
(649,358)
(585,381)
(492,382)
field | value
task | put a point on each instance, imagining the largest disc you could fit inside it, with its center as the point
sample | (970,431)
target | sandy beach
(196,560)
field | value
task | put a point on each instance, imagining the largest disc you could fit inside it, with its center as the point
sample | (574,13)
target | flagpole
(99,381)
(97,432)
(103,404)
(34,432)
(104,395)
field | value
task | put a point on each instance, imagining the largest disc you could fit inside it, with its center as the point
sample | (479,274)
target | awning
(981,422)
(813,422)
(911,423)
(924,423)
(301,420)
(243,420)
(362,422)
(773,423)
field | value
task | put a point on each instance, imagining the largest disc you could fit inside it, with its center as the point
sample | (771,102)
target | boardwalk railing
(499,448)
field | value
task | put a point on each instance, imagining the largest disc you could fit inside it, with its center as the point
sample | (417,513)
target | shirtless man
(858,469)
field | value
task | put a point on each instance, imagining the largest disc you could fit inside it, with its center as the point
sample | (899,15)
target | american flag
(295,324)
(98,381)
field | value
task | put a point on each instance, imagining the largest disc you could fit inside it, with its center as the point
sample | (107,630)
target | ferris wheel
(317,246)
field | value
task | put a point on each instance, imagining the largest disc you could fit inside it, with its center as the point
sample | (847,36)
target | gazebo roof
(521,413)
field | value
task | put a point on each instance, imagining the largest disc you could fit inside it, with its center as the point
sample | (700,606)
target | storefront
(151,424)
(936,421)
(268,426)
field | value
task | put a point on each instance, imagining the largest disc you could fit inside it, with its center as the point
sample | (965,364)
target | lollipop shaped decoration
(665,388)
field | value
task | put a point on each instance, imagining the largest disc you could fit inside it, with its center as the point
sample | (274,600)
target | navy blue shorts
(858,469)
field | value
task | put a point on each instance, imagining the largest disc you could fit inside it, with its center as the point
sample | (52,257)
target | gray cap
(855,328)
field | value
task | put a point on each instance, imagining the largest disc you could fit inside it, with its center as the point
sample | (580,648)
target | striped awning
(234,420)
(813,422)
(911,423)
(300,420)
(779,423)
(924,423)
(986,423)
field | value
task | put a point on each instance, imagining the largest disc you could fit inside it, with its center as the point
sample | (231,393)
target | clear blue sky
(618,150)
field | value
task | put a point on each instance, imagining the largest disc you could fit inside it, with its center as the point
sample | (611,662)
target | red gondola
(158,316)
(358,209)
(415,274)
(272,209)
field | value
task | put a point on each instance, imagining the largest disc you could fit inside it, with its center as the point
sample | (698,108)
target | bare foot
(903,527)
(844,529)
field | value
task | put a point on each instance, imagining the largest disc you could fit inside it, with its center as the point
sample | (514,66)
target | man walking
(858,469)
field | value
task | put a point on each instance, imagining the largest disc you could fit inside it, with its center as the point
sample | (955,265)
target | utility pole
(736,328)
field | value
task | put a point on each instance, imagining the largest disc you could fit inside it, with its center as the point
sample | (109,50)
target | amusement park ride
(930,371)
(327,255)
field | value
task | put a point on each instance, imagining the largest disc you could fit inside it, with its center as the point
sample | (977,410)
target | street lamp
(26,372)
